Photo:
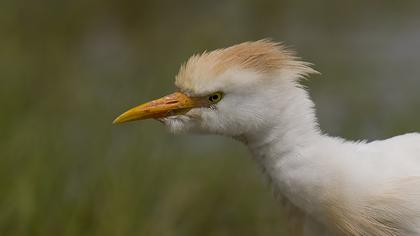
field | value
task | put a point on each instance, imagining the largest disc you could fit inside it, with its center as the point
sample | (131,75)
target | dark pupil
(214,98)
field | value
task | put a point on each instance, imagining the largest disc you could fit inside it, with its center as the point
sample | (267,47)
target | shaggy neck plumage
(278,148)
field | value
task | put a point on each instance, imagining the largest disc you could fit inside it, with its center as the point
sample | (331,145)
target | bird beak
(170,105)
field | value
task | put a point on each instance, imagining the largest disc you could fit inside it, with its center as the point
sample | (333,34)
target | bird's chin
(177,124)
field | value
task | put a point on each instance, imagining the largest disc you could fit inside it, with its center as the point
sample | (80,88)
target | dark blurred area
(68,68)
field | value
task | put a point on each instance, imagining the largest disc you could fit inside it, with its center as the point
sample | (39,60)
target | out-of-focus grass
(93,185)
(68,68)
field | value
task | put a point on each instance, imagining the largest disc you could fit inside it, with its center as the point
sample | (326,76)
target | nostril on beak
(171,102)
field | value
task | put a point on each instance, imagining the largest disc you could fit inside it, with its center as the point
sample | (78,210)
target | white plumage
(339,187)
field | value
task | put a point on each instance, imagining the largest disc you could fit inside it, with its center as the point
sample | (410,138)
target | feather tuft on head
(263,56)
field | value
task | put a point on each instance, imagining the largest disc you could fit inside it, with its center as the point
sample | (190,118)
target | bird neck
(280,150)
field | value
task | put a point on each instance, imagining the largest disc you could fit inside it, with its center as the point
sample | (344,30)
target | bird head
(231,91)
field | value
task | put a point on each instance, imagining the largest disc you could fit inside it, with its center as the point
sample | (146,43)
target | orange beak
(172,104)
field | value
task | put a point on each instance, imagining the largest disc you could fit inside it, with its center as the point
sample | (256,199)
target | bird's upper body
(251,92)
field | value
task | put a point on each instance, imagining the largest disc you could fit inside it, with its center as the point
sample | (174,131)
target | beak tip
(118,120)
(125,117)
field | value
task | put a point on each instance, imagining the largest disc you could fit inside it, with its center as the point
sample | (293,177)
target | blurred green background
(68,68)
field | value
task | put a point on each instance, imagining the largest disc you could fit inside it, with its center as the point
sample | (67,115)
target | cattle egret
(251,92)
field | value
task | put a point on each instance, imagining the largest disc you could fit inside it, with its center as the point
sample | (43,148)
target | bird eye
(215,97)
